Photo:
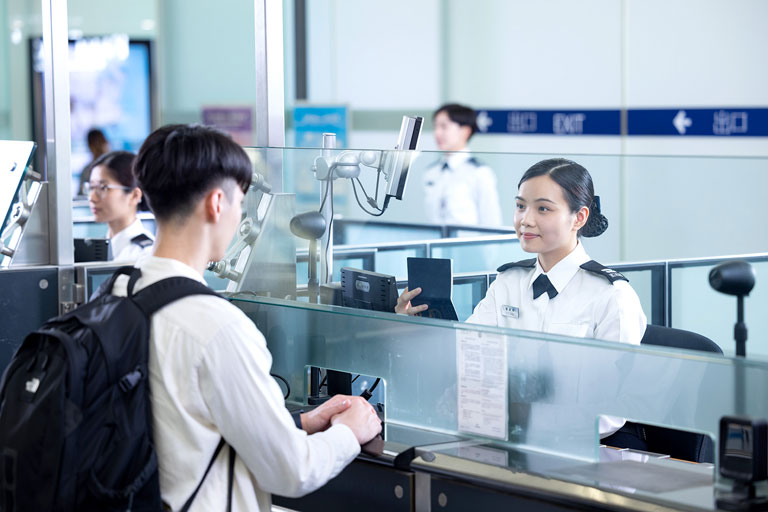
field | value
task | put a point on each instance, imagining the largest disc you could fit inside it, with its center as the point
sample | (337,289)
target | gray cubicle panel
(649,280)
(30,296)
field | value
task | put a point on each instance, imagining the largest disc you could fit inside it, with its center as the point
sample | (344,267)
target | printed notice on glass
(482,387)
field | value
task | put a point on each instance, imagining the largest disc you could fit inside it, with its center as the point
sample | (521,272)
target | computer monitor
(363,289)
(91,249)
(395,164)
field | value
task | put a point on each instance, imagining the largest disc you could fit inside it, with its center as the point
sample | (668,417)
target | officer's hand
(319,418)
(404,303)
(361,418)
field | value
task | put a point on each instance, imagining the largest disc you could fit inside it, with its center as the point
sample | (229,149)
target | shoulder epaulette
(518,264)
(611,275)
(142,240)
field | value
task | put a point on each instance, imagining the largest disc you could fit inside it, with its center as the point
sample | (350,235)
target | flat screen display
(110,89)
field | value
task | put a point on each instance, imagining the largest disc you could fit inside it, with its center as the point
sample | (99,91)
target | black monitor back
(363,289)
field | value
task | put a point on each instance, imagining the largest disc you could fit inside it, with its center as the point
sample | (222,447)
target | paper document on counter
(482,388)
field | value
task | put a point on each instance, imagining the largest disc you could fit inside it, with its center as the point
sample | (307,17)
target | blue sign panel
(311,122)
(550,122)
(744,122)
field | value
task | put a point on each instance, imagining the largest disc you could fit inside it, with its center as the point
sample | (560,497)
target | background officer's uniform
(131,243)
(460,190)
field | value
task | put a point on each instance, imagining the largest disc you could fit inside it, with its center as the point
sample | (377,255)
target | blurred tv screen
(110,89)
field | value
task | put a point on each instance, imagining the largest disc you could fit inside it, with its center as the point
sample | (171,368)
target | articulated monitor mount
(19,189)
(261,259)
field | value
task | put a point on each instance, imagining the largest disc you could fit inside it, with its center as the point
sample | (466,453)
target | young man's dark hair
(459,114)
(178,164)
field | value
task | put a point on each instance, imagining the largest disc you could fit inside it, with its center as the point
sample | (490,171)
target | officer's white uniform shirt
(587,305)
(460,190)
(129,245)
(209,378)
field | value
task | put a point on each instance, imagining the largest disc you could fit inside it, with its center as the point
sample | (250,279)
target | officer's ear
(466,131)
(582,215)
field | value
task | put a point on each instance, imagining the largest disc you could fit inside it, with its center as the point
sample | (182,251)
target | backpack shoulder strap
(162,293)
(189,501)
(106,287)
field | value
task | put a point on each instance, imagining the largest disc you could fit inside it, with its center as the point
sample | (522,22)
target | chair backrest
(677,443)
(678,338)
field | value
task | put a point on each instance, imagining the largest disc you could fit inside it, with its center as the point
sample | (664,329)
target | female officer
(114,198)
(562,290)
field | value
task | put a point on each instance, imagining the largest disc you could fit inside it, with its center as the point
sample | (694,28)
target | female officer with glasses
(114,198)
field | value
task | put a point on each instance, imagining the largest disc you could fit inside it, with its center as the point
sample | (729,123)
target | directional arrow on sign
(483,121)
(681,122)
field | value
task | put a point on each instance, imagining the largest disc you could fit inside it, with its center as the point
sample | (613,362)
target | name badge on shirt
(510,311)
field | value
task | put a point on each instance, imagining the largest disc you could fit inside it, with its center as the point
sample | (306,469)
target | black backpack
(75,413)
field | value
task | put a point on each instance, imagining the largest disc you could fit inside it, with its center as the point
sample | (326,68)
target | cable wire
(287,386)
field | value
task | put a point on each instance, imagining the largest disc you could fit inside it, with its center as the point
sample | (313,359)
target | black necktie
(541,285)
(445,166)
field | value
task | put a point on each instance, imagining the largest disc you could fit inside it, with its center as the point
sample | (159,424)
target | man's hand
(361,418)
(319,419)
(404,303)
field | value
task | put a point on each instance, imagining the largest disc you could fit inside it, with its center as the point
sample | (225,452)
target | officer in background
(458,189)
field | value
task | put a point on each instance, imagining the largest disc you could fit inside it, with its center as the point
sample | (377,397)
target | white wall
(208,56)
(584,54)
(373,55)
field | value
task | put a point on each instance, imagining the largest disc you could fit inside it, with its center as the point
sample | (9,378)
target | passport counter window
(561,290)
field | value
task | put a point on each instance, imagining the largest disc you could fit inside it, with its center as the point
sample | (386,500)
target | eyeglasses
(101,189)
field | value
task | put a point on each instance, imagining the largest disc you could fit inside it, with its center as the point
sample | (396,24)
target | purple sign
(237,121)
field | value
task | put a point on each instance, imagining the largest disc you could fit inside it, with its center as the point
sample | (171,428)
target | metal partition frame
(702,262)
(659,295)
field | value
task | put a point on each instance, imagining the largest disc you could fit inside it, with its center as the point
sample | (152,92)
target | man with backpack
(209,365)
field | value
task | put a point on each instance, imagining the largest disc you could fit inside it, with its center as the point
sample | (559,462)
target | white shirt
(587,305)
(209,377)
(460,190)
(124,249)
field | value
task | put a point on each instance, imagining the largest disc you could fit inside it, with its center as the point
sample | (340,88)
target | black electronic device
(363,289)
(737,278)
(395,164)
(743,447)
(91,249)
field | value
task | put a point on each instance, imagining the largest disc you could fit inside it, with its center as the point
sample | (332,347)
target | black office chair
(676,443)
(678,338)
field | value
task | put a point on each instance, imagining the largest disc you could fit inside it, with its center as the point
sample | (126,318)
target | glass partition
(695,306)
(554,387)
(379,234)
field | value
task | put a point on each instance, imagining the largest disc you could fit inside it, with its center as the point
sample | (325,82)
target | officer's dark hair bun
(596,222)
(578,189)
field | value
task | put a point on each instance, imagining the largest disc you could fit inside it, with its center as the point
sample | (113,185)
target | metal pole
(57,147)
(326,242)
(57,131)
(270,95)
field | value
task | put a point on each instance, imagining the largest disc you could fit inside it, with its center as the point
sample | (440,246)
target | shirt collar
(456,159)
(564,270)
(154,268)
(121,240)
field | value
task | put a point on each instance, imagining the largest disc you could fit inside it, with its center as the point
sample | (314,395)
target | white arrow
(483,121)
(681,122)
